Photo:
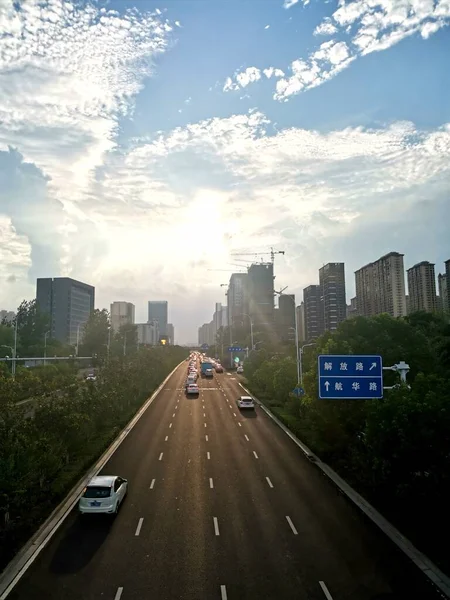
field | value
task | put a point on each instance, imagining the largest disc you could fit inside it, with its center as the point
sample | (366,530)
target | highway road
(224,505)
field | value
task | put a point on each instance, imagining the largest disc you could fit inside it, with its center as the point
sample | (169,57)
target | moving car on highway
(240,369)
(245,402)
(103,494)
(192,389)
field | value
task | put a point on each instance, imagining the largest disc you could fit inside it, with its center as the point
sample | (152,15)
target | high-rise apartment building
(237,296)
(313,312)
(171,333)
(332,286)
(148,333)
(68,303)
(121,313)
(443,292)
(158,311)
(301,322)
(261,294)
(206,334)
(422,287)
(380,287)
(286,317)
(352,309)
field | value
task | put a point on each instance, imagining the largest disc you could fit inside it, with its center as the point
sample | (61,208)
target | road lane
(87,553)
(360,561)
(236,512)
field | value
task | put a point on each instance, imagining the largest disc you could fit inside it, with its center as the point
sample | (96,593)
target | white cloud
(325,28)
(364,26)
(250,75)
(288,3)
(272,71)
(67,74)
(267,27)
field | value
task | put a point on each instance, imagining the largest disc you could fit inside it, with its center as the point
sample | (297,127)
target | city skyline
(140,151)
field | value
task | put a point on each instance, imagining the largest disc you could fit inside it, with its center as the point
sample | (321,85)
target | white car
(103,494)
(240,369)
(192,389)
(91,377)
(245,402)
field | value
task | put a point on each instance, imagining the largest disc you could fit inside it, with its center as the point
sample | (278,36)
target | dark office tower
(68,303)
(313,312)
(237,298)
(158,311)
(332,287)
(261,295)
(286,317)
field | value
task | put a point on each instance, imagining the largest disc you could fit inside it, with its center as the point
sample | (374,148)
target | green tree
(95,335)
(32,324)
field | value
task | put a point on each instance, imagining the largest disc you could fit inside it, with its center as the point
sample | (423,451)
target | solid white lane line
(216,526)
(211,484)
(160,456)
(240,424)
(138,528)
(328,596)
(208,456)
(206,437)
(291,525)
(223,592)
(256,456)
(269,482)
(152,485)
(118,595)
(246,437)
(166,438)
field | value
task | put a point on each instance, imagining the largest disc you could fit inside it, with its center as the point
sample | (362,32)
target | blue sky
(141,143)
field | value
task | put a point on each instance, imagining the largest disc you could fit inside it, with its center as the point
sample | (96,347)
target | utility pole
(45,346)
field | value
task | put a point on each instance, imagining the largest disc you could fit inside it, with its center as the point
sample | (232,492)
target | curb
(30,551)
(428,568)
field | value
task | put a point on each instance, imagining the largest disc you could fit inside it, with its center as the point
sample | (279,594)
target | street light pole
(297,349)
(45,346)
(301,367)
(78,336)
(15,348)
(109,341)
(251,328)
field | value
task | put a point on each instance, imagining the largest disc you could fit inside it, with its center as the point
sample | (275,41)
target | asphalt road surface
(221,504)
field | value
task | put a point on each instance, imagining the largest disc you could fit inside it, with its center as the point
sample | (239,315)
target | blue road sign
(204,347)
(350,377)
(234,349)
(298,391)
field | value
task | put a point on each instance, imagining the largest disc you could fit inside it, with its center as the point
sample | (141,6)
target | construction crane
(271,253)
(230,270)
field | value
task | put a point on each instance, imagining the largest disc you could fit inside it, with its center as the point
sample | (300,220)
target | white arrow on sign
(327,385)
(373,366)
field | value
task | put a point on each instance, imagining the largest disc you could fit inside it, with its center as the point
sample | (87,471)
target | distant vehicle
(207,369)
(219,368)
(91,377)
(103,494)
(240,369)
(192,390)
(245,402)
